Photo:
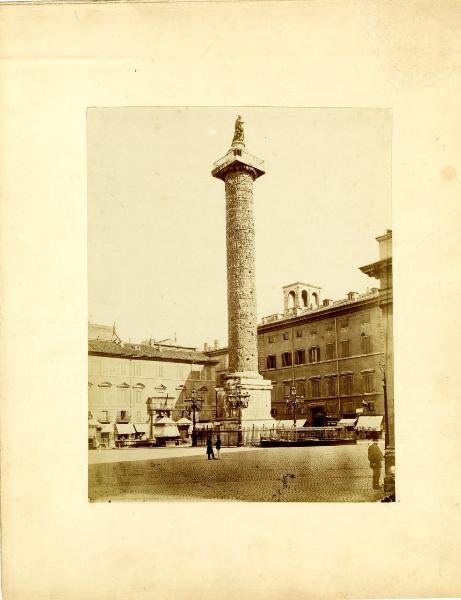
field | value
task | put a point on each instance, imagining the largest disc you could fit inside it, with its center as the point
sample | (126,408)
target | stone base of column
(258,412)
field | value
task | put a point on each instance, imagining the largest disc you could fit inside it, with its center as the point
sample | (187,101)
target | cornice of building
(339,307)
(380,269)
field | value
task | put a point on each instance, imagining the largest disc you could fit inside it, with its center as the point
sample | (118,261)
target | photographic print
(240,304)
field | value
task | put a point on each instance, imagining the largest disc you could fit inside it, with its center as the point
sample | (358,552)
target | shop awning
(346,422)
(166,431)
(370,423)
(142,427)
(125,429)
(107,428)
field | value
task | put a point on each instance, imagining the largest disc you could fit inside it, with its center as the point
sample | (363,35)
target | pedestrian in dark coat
(218,445)
(375,456)
(209,448)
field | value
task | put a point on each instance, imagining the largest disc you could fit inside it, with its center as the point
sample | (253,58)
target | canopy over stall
(369,423)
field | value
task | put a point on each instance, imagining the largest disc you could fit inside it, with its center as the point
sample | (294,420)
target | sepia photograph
(208,211)
(240,340)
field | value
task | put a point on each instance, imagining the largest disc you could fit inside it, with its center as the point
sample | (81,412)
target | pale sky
(156,217)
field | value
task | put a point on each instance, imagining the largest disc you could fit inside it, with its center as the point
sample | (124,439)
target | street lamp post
(194,405)
(295,399)
(236,398)
(151,412)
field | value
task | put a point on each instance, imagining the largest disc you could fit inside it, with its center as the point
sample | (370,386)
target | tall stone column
(241,289)
(239,169)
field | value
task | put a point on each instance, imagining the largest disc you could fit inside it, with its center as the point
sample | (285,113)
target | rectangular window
(314,354)
(180,372)
(348,408)
(300,357)
(344,323)
(368,383)
(365,342)
(330,351)
(271,339)
(365,317)
(313,331)
(280,392)
(137,369)
(285,336)
(137,396)
(299,333)
(329,326)
(347,384)
(105,417)
(300,388)
(344,348)
(331,386)
(195,373)
(315,388)
(271,361)
(138,417)
(286,359)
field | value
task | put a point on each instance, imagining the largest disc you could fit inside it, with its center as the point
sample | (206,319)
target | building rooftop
(140,351)
(291,313)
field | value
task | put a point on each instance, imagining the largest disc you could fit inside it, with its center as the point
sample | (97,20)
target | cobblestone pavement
(322,474)
(134,454)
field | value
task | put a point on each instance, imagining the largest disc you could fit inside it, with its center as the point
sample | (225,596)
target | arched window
(304,298)
(291,299)
(315,298)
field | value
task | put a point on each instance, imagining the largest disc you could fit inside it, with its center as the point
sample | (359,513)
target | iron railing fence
(251,436)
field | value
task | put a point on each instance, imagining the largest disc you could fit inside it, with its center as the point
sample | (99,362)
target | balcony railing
(244,156)
(297,311)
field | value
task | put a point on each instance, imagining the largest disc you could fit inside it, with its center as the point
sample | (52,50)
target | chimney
(216,344)
(374,290)
(205,346)
(327,302)
(352,295)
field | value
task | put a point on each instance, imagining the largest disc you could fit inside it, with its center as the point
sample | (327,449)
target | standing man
(218,445)
(209,448)
(375,456)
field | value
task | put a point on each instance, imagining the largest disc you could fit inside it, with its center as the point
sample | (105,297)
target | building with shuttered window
(121,376)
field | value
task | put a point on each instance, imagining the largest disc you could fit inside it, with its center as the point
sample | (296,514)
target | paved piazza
(322,474)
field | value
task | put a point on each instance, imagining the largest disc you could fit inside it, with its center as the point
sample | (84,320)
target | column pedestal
(258,412)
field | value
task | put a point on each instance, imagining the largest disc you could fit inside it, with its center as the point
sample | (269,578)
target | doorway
(318,417)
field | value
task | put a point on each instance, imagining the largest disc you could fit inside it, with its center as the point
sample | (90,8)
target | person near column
(209,448)
(375,456)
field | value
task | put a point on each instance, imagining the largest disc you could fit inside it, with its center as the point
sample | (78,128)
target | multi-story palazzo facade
(122,376)
(331,351)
